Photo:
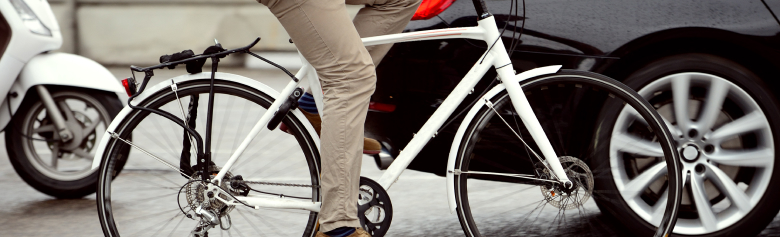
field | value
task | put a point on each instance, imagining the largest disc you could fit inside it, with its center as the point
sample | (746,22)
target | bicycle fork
(531,122)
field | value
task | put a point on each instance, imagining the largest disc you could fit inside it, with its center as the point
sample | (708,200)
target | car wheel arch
(650,48)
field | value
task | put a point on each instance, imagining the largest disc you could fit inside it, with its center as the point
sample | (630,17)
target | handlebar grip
(176,57)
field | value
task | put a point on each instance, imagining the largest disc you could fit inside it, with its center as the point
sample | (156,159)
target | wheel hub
(690,152)
(203,200)
(582,179)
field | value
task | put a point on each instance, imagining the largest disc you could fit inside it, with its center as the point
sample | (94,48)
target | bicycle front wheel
(504,186)
(151,197)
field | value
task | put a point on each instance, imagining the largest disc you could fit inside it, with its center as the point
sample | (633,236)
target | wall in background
(123,32)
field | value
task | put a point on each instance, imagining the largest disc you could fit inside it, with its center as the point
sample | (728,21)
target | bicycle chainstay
(275,184)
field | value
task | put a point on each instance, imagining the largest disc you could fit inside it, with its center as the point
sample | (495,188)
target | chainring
(374,208)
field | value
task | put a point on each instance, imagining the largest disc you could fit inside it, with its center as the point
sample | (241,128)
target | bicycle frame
(496,56)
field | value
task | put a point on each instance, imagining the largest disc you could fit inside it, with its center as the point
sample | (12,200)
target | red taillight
(431,8)
(129,85)
(381,107)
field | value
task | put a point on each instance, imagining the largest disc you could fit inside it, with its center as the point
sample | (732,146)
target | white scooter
(55,106)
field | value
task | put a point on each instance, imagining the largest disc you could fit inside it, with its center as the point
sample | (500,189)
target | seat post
(482,11)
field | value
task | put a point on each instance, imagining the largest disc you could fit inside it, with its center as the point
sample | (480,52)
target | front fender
(455,147)
(60,69)
(66,70)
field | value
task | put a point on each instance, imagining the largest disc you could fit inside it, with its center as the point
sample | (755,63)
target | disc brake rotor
(579,173)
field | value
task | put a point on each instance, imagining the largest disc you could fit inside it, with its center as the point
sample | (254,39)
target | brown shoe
(315,121)
(359,232)
(370,146)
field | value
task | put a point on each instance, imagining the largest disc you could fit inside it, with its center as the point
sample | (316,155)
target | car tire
(746,97)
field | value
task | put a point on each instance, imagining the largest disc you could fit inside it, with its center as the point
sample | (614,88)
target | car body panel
(612,37)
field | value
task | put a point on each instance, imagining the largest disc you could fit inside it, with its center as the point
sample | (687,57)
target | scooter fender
(455,147)
(60,69)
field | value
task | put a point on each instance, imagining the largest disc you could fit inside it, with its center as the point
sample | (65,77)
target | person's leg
(378,17)
(309,109)
(382,17)
(323,32)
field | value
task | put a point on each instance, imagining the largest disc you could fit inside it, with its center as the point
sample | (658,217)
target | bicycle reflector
(430,8)
(130,86)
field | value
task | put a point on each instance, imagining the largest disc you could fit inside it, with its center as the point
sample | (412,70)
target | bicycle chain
(276,184)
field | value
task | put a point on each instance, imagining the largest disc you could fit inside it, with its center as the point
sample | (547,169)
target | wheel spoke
(91,128)
(44,128)
(680,91)
(703,207)
(660,208)
(632,144)
(715,97)
(634,114)
(727,186)
(290,156)
(177,225)
(761,157)
(55,150)
(750,122)
(82,153)
(673,129)
(635,187)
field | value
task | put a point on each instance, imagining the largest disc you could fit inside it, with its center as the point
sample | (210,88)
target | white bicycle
(249,179)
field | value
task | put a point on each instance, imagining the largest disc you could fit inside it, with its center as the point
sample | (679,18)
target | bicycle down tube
(496,57)
(212,196)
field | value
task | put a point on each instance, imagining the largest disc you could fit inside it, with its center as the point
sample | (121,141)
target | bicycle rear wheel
(493,200)
(149,198)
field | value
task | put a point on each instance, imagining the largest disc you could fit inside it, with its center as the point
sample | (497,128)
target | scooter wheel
(60,167)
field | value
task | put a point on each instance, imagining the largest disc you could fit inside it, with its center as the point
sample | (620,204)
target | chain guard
(375,210)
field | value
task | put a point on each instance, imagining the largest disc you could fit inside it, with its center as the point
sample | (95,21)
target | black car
(710,68)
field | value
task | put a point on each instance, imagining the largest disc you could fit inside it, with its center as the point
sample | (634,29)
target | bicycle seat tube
(482,11)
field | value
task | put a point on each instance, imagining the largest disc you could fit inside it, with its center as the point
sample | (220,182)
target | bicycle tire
(562,102)
(138,201)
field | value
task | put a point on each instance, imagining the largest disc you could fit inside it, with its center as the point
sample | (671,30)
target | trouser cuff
(325,227)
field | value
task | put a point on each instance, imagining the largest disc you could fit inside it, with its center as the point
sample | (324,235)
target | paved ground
(419,200)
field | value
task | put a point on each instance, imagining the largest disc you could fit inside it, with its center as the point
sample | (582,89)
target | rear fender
(166,85)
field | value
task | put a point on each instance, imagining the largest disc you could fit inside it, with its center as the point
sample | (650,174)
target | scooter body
(38,90)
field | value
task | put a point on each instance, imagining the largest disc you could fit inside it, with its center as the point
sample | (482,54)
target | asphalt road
(419,200)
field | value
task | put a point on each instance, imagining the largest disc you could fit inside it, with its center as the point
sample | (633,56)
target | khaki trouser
(327,38)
